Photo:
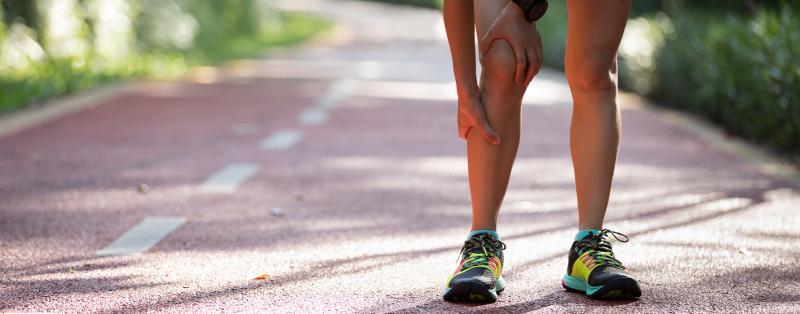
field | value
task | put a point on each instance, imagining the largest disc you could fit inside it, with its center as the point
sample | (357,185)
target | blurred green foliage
(733,62)
(432,4)
(740,71)
(672,7)
(54,47)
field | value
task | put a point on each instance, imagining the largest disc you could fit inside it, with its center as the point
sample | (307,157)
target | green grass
(296,28)
(54,77)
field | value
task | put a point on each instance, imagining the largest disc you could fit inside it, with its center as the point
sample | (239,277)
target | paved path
(336,170)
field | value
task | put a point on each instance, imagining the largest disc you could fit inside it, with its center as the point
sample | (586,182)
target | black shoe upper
(604,274)
(481,275)
(609,267)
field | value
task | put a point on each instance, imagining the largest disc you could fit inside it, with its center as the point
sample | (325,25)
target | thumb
(487,41)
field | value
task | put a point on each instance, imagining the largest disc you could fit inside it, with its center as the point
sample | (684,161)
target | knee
(591,75)
(499,65)
(502,97)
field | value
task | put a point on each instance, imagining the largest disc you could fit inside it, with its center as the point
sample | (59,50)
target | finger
(463,127)
(534,65)
(488,132)
(531,67)
(483,126)
(463,131)
(519,53)
(539,53)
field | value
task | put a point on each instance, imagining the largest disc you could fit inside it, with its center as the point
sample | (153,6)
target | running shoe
(594,270)
(478,277)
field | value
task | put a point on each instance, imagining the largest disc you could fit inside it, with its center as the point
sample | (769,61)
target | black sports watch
(534,9)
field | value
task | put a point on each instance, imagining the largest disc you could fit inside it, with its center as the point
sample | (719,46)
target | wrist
(515,10)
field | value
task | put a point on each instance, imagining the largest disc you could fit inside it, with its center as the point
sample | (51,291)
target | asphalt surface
(364,205)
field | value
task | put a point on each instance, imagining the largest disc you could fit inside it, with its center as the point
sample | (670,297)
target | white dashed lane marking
(282,140)
(313,116)
(143,236)
(336,93)
(229,178)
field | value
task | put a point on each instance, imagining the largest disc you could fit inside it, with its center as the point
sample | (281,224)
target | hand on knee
(501,96)
(499,66)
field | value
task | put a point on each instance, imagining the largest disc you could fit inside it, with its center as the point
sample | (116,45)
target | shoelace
(601,248)
(489,247)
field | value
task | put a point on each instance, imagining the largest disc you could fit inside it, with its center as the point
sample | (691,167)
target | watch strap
(533,9)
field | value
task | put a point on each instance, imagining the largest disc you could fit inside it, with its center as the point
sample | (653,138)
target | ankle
(486,231)
(582,233)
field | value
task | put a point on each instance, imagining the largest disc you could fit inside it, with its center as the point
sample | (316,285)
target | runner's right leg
(478,277)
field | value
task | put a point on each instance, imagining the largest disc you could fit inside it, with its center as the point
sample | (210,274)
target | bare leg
(594,34)
(489,165)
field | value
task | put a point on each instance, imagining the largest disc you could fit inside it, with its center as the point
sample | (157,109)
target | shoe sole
(619,288)
(474,292)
